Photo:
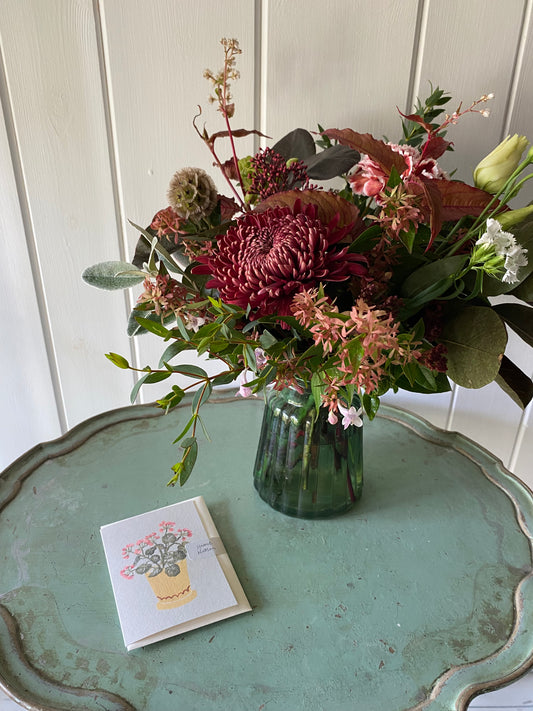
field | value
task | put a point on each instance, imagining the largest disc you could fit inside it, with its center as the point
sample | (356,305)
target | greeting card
(170,573)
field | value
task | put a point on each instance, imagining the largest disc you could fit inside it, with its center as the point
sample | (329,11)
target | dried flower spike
(221,80)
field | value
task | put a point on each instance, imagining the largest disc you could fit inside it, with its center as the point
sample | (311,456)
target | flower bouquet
(381,282)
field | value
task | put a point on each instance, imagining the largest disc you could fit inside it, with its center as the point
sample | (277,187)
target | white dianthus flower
(504,245)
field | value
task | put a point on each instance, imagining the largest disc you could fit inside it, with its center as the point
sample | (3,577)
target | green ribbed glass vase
(306,467)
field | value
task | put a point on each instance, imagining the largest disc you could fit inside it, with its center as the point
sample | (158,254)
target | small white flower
(260,358)
(195,322)
(332,418)
(505,245)
(515,258)
(351,416)
(244,390)
(502,241)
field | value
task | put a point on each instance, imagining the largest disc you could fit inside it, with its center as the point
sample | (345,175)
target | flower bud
(514,217)
(494,170)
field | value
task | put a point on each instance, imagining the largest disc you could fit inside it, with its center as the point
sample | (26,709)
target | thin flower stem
(230,132)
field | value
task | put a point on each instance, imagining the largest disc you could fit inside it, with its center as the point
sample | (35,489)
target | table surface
(419,598)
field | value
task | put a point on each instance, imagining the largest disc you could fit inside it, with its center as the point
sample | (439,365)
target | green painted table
(420,598)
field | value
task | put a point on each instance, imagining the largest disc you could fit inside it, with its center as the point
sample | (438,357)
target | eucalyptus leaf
(475,339)
(113,275)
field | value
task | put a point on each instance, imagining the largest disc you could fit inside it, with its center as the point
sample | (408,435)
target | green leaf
(172,351)
(187,442)
(118,360)
(113,275)
(317,388)
(515,383)
(520,319)
(356,352)
(187,427)
(394,178)
(135,329)
(267,339)
(168,260)
(182,330)
(189,460)
(366,239)
(191,371)
(408,238)
(172,399)
(201,395)
(155,327)
(428,276)
(524,291)
(157,377)
(137,387)
(370,405)
(475,339)
(224,378)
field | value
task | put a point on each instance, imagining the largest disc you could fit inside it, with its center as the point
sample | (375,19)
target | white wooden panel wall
(97,101)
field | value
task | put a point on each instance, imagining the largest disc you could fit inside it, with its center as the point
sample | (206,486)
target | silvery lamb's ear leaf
(332,162)
(113,275)
(296,144)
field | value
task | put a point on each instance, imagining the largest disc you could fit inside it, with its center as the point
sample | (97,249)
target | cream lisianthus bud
(514,217)
(495,169)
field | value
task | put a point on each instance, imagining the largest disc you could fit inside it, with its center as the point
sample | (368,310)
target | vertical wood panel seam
(517,67)
(509,110)
(6,105)
(263,75)
(114,163)
(419,42)
(258,60)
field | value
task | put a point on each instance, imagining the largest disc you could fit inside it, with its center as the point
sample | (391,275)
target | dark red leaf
(460,199)
(433,200)
(365,143)
(434,147)
(238,133)
(328,204)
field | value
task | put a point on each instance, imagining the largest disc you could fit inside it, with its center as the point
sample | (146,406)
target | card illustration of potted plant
(161,558)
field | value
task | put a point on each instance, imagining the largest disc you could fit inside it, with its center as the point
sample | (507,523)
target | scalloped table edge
(471,676)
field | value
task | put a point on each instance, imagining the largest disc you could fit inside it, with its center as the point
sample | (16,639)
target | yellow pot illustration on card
(172,590)
(161,558)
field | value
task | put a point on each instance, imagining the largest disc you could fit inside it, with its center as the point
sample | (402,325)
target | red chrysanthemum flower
(268,257)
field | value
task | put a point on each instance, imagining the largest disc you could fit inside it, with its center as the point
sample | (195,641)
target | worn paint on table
(418,598)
